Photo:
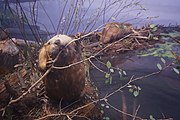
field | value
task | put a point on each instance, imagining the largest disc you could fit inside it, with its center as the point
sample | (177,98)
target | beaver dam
(130,75)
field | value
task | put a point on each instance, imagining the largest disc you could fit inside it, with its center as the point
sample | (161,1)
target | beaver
(63,84)
(115,30)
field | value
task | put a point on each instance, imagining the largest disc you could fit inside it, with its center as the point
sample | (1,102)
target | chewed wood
(113,31)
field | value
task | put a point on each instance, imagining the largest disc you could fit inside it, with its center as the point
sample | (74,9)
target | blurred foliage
(161,50)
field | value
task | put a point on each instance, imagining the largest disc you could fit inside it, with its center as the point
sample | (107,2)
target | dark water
(160,94)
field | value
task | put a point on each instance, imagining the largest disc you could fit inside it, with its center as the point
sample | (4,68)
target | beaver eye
(57,42)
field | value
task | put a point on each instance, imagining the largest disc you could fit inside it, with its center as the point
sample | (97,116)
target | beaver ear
(43,58)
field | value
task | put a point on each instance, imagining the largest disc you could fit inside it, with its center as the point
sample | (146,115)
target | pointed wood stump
(9,56)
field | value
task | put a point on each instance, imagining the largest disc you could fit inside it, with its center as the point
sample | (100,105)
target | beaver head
(59,44)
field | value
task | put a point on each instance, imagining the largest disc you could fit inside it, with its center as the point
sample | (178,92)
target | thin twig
(97,67)
(136,112)
(123,111)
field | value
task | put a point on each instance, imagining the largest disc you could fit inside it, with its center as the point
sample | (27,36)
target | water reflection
(159,95)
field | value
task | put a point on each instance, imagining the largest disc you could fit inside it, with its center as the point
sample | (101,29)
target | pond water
(159,95)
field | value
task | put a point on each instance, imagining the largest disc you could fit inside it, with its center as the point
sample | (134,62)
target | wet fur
(66,84)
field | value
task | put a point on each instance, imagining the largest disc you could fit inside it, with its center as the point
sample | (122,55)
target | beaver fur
(63,84)
(115,30)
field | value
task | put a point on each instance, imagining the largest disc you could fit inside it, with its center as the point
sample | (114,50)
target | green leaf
(102,111)
(107,75)
(155,38)
(102,105)
(105,99)
(110,80)
(131,90)
(163,60)
(151,117)
(136,93)
(106,81)
(124,72)
(111,70)
(129,86)
(120,74)
(106,118)
(108,64)
(176,70)
(159,66)
(139,88)
(154,29)
(107,106)
(152,26)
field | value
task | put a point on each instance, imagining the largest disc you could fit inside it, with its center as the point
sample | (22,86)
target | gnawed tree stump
(114,31)
(9,56)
